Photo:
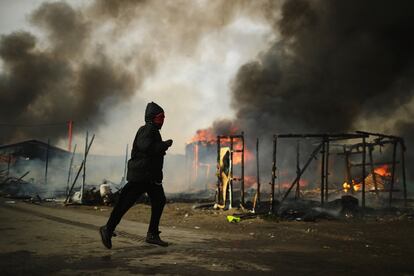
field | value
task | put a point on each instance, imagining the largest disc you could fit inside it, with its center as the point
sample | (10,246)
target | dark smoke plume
(96,56)
(335,66)
(334,63)
(56,83)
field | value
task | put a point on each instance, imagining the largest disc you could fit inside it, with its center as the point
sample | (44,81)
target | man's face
(159,119)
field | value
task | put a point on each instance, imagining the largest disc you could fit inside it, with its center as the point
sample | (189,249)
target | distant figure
(144,176)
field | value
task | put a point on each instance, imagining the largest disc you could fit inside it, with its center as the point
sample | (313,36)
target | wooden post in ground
(272,198)
(47,160)
(297,194)
(394,157)
(326,170)
(402,146)
(70,169)
(364,146)
(323,173)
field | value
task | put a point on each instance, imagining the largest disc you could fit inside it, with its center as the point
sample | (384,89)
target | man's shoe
(106,237)
(154,238)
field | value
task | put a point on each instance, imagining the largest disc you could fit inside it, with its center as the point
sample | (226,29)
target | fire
(204,135)
(208,136)
(383,171)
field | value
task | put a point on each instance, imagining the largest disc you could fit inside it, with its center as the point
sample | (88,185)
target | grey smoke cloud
(96,56)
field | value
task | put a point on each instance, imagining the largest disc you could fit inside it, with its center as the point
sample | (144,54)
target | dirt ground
(49,238)
(374,244)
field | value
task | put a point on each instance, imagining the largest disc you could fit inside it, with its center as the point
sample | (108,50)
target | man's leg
(157,197)
(129,195)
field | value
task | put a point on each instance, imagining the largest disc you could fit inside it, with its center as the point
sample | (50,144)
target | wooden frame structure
(324,150)
(231,139)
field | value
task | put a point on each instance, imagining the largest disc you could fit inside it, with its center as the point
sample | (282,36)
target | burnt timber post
(231,174)
(84,167)
(8,165)
(326,169)
(218,171)
(242,169)
(47,160)
(394,156)
(272,197)
(70,169)
(363,171)
(80,169)
(322,172)
(258,172)
(402,146)
(297,194)
(371,162)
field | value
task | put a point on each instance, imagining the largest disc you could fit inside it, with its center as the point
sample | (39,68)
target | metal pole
(363,171)
(402,145)
(70,169)
(272,198)
(322,172)
(257,171)
(47,160)
(84,167)
(326,171)
(218,172)
(242,169)
(394,156)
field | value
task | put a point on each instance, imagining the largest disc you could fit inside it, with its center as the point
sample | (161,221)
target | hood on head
(152,110)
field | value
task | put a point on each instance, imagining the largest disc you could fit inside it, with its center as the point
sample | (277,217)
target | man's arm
(145,142)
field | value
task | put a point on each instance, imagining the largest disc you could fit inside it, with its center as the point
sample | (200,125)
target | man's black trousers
(129,195)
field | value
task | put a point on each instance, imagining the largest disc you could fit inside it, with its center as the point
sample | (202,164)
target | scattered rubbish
(196,227)
(233,219)
(10,201)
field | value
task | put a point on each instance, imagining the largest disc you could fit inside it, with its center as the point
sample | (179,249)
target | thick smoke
(334,64)
(56,82)
(87,60)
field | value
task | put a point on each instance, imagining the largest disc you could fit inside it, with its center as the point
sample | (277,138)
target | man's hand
(169,142)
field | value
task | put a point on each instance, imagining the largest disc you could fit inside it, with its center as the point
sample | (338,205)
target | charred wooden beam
(326,170)
(371,162)
(323,135)
(47,160)
(79,171)
(70,169)
(394,156)
(311,157)
(297,194)
(375,164)
(363,171)
(403,149)
(218,193)
(378,134)
(272,198)
(242,169)
(323,173)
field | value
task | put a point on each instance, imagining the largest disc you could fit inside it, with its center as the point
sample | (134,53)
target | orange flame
(383,171)
(208,136)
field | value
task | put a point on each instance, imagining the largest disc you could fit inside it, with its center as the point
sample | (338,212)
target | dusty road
(42,240)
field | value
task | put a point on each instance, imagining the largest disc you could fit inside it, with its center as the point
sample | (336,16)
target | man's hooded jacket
(148,150)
